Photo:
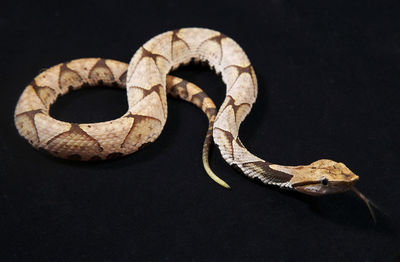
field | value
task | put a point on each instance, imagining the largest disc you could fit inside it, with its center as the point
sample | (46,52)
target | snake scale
(147,82)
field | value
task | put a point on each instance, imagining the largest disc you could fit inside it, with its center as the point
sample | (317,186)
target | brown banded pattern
(96,141)
(147,84)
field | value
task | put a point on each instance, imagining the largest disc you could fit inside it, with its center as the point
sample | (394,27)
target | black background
(328,88)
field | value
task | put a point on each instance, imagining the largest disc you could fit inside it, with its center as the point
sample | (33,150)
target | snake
(147,82)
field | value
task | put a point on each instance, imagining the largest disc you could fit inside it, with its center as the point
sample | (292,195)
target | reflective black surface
(329,86)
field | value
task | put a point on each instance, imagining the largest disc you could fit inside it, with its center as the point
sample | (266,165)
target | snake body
(92,141)
(147,83)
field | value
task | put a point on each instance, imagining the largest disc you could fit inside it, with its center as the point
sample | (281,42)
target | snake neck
(236,154)
(226,137)
(261,170)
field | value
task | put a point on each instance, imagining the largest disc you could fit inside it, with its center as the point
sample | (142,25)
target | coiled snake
(147,83)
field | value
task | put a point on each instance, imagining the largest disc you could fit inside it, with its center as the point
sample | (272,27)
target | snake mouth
(317,188)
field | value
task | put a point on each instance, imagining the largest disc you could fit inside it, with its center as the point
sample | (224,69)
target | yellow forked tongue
(366,201)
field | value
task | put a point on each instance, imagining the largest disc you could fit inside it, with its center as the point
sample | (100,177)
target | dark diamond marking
(243,70)
(218,40)
(179,90)
(235,108)
(37,90)
(137,120)
(31,116)
(122,78)
(75,128)
(146,53)
(174,39)
(156,88)
(64,69)
(101,64)
(199,97)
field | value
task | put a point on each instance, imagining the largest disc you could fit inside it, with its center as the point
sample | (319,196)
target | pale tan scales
(146,83)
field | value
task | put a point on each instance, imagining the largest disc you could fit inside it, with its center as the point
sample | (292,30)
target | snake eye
(324,181)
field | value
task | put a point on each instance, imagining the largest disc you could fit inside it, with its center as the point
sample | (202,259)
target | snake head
(320,177)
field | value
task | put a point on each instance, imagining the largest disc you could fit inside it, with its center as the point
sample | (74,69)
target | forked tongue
(368,202)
